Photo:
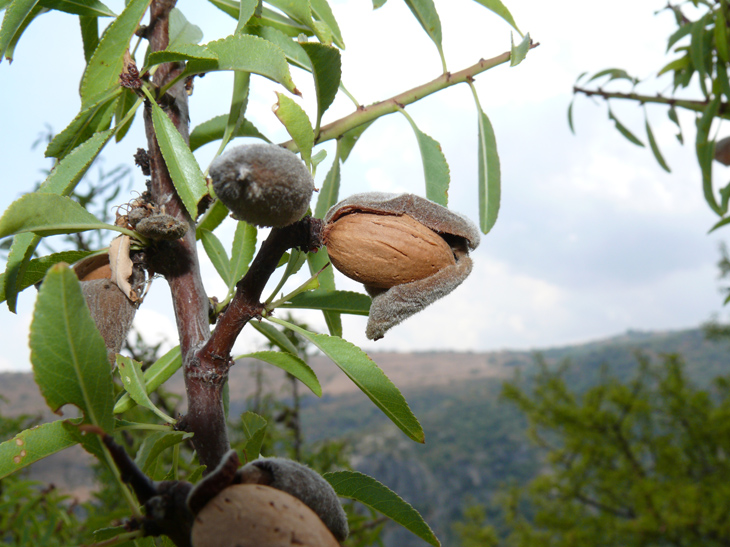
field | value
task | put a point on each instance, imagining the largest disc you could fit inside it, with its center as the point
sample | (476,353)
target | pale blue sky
(593,237)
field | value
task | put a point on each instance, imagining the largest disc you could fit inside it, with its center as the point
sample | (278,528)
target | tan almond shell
(254,515)
(385,250)
(434,216)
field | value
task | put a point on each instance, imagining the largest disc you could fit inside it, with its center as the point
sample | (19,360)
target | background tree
(178,209)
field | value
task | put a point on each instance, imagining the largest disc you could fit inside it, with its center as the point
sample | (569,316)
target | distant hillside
(475,444)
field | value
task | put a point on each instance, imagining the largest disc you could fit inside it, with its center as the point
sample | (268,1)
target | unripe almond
(262,184)
(382,251)
(254,515)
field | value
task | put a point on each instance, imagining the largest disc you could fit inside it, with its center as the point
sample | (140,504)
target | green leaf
(130,372)
(297,124)
(500,9)
(88,8)
(360,487)
(293,50)
(722,78)
(68,354)
(435,167)
(322,12)
(301,12)
(242,251)
(519,52)
(721,38)
(367,376)
(348,140)
(32,445)
(613,74)
(378,3)
(254,431)
(217,254)
(35,12)
(570,116)
(184,169)
(624,130)
(675,65)
(328,300)
(156,375)
(88,122)
(182,31)
(248,54)
(327,70)
(672,114)
(213,130)
(13,20)
(426,14)
(62,180)
(655,148)
(37,268)
(724,222)
(89,35)
(489,172)
(330,190)
(212,218)
(127,101)
(317,263)
(182,52)
(705,149)
(148,455)
(102,72)
(275,336)
(291,364)
(680,33)
(697,51)
(49,214)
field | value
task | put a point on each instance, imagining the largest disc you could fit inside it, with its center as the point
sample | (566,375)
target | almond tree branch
(365,114)
(178,262)
(688,104)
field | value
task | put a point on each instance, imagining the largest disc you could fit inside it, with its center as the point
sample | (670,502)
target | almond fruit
(383,251)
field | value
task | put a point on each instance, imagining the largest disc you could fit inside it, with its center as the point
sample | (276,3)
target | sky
(593,237)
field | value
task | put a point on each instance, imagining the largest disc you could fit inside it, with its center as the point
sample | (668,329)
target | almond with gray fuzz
(263,184)
(405,249)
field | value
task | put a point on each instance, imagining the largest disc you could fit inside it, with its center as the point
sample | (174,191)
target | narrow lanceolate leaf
(88,8)
(327,300)
(212,218)
(318,263)
(156,375)
(328,194)
(102,72)
(148,455)
(500,9)
(182,52)
(624,130)
(301,12)
(723,80)
(13,20)
(130,372)
(291,364)
(89,35)
(426,14)
(249,54)
(519,52)
(182,31)
(246,10)
(213,130)
(89,121)
(570,116)
(490,185)
(127,102)
(32,445)
(721,37)
(68,354)
(254,431)
(327,70)
(62,180)
(367,376)
(293,51)
(655,148)
(275,336)
(48,214)
(347,142)
(237,111)
(358,486)
(297,124)
(242,251)
(35,12)
(37,268)
(705,149)
(184,169)
(435,167)
(697,51)
(217,254)
(322,12)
